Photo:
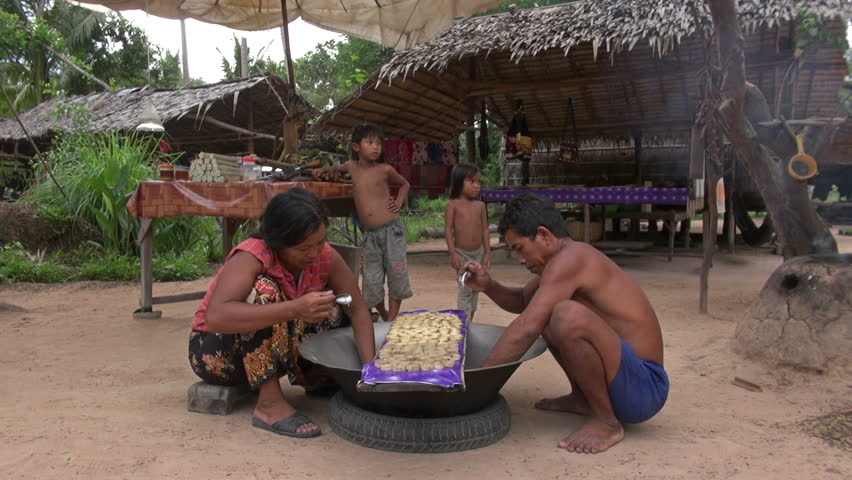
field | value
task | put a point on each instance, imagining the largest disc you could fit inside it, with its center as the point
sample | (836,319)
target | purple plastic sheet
(374,379)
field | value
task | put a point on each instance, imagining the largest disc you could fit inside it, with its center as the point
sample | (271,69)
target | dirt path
(87,392)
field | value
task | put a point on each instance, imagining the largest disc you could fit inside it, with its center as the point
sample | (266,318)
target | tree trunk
(764,150)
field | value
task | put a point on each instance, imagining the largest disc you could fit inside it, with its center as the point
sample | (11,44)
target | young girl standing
(466,228)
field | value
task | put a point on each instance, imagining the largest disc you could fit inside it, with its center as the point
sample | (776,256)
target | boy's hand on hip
(393,206)
(314,307)
(488,262)
(478,278)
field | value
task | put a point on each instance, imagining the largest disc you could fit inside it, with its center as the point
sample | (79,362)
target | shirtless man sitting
(596,321)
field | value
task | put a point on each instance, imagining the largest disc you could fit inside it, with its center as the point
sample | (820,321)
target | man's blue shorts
(639,389)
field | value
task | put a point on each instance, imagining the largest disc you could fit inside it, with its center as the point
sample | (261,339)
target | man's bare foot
(594,437)
(274,410)
(570,403)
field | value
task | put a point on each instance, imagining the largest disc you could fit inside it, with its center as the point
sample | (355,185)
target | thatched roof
(188,114)
(627,64)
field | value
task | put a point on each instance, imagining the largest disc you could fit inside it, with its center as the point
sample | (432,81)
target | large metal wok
(336,351)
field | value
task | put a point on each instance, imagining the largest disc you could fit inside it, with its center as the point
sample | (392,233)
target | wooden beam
(681,70)
(451,100)
(234,128)
(395,109)
(408,97)
(425,125)
(509,99)
(805,122)
(536,99)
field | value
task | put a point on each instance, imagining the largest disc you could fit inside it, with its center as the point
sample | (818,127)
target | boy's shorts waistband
(383,226)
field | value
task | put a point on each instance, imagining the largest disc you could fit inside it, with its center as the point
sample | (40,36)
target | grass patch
(416,224)
(18,265)
(424,213)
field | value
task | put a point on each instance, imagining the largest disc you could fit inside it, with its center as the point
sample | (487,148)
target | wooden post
(587,223)
(729,207)
(470,133)
(146,260)
(711,221)
(229,228)
(637,157)
(244,73)
(184,56)
(285,36)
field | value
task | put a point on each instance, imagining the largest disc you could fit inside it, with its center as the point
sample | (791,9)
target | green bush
(184,266)
(98,172)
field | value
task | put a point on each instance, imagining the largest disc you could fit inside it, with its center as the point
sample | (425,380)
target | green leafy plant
(98,172)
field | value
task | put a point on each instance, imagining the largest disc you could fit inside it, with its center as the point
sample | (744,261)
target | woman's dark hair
(290,218)
(360,132)
(461,172)
(528,211)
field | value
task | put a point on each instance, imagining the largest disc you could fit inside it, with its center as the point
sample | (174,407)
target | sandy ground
(88,392)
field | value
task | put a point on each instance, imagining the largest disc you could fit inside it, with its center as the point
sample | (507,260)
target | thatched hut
(630,67)
(226,117)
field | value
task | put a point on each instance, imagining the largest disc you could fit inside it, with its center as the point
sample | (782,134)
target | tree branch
(73,65)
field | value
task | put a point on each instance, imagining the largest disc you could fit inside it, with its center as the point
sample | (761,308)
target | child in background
(466,228)
(378,211)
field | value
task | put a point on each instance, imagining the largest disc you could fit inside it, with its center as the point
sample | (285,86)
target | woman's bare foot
(571,403)
(594,436)
(272,406)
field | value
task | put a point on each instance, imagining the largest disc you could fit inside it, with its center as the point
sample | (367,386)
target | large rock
(803,316)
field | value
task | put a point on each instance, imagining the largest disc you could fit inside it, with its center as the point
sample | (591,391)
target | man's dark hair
(528,211)
(460,173)
(290,218)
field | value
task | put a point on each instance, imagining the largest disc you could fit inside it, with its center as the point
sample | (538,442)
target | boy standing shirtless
(378,211)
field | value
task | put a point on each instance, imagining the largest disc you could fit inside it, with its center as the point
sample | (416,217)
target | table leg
(146,260)
(672,225)
(229,228)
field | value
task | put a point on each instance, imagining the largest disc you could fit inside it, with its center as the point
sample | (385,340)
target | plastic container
(167,172)
(181,172)
(250,170)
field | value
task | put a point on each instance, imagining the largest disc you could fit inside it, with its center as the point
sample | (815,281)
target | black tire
(752,235)
(419,435)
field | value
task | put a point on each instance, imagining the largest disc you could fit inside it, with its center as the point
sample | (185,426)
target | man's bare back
(371,192)
(467,223)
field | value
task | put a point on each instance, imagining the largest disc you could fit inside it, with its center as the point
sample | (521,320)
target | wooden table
(233,201)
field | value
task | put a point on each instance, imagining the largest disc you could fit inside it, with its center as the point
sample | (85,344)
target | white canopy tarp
(394,23)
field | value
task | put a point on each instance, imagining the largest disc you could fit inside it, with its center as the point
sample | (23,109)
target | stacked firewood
(212,167)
